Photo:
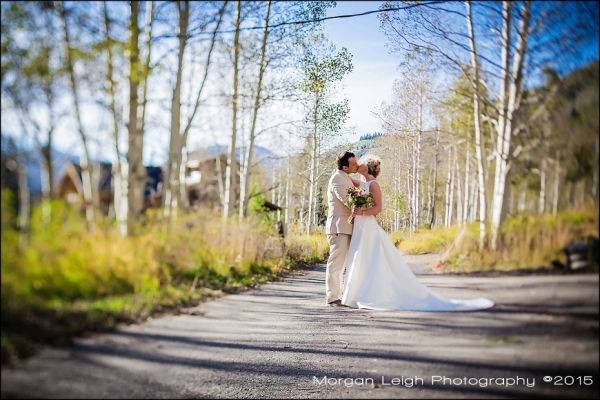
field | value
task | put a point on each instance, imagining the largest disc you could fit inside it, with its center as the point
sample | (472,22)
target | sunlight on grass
(525,242)
(425,240)
(60,280)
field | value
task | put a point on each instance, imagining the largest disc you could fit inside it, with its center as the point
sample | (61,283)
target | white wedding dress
(378,278)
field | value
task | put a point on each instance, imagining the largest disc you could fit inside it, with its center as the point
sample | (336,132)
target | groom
(338,230)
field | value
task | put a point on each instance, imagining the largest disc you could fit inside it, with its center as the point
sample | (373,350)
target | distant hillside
(371,136)
(365,144)
(34,162)
(263,156)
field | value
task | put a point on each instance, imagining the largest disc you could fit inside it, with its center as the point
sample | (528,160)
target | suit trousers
(339,243)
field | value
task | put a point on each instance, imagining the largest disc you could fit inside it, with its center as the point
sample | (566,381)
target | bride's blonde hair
(373,164)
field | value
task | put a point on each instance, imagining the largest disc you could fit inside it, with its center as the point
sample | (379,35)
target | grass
(59,281)
(424,241)
(526,242)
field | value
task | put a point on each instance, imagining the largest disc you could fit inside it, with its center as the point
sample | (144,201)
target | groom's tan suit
(338,231)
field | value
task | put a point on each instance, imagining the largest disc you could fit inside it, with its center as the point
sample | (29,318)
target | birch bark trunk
(467,198)
(555,196)
(452,185)
(542,199)
(288,182)
(246,169)
(231,169)
(172,172)
(313,165)
(86,172)
(119,171)
(435,171)
(447,198)
(479,149)
(418,163)
(459,197)
(503,155)
(146,71)
(136,175)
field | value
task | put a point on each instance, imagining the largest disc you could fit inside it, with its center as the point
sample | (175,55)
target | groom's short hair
(342,160)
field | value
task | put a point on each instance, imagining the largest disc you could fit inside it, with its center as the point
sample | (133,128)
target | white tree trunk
(288,182)
(273,184)
(317,177)
(409,198)
(120,197)
(452,185)
(503,102)
(183,201)
(313,165)
(479,149)
(466,201)
(459,197)
(220,185)
(447,198)
(302,204)
(503,149)
(279,197)
(171,181)
(542,199)
(119,170)
(435,171)
(231,169)
(418,164)
(246,169)
(428,195)
(412,183)
(86,173)
(136,175)
(556,183)
(144,102)
(473,196)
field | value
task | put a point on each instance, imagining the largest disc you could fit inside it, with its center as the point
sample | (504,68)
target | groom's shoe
(335,303)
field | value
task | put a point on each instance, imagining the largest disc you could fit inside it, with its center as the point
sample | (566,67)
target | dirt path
(280,341)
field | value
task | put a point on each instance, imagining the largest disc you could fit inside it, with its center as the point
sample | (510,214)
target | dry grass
(525,242)
(59,280)
(424,241)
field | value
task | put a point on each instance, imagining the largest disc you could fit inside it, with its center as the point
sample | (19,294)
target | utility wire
(312,21)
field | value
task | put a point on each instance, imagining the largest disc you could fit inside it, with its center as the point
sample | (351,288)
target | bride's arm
(356,182)
(376,209)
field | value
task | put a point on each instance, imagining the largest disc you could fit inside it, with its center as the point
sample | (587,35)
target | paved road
(280,341)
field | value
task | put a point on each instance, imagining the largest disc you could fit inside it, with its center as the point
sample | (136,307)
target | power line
(316,20)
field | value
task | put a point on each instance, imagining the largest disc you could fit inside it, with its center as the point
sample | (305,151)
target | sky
(375,68)
(369,84)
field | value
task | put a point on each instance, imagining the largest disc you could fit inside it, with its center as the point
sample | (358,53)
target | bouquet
(358,198)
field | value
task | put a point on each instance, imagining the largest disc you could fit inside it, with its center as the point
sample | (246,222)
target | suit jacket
(338,213)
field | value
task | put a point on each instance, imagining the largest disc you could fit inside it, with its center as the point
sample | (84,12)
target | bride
(377,277)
